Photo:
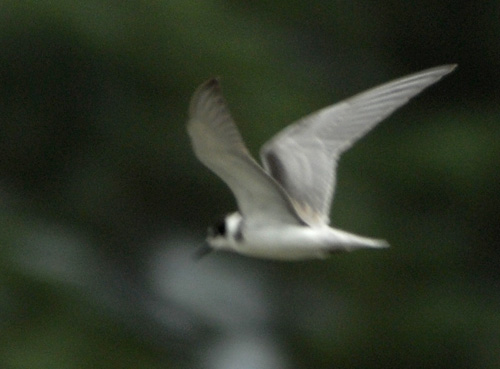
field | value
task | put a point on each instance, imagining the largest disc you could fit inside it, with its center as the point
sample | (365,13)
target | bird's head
(223,235)
(217,234)
(225,232)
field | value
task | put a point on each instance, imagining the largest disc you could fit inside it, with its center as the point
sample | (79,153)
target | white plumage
(284,206)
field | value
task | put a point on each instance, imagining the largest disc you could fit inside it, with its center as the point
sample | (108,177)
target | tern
(284,205)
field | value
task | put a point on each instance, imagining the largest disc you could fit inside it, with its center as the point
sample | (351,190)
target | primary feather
(303,157)
(219,146)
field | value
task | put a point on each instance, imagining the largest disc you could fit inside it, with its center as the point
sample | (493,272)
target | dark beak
(201,251)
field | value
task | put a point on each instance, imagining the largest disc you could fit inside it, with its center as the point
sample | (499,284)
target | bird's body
(284,205)
(288,241)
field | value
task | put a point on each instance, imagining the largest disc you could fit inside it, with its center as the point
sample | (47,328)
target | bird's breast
(285,243)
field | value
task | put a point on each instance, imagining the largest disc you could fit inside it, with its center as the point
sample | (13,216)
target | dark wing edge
(218,144)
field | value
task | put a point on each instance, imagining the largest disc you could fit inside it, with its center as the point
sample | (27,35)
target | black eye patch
(221,228)
(218,229)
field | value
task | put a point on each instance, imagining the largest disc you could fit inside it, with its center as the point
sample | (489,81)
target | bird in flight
(284,205)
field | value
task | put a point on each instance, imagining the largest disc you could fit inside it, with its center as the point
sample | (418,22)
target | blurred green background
(102,201)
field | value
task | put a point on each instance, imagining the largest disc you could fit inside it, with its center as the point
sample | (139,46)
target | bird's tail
(350,242)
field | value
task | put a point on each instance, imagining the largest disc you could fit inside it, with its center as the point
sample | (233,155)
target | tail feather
(350,242)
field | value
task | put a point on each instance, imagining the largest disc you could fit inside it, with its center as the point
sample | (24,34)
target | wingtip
(444,69)
(210,87)
(211,83)
(450,67)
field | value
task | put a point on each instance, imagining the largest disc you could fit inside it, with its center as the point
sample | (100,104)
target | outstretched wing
(303,157)
(219,146)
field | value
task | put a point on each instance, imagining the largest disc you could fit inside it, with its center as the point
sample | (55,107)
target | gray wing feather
(303,157)
(217,143)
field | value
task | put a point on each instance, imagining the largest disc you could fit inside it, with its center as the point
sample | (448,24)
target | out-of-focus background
(102,202)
